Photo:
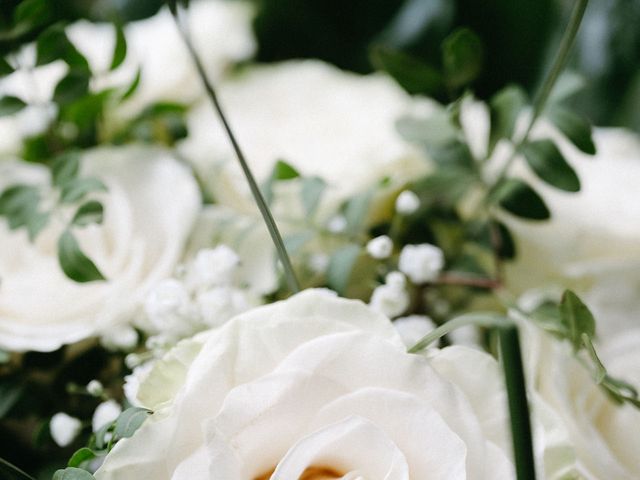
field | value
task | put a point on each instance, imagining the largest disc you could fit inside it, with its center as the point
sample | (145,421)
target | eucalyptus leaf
(576,128)
(462,57)
(81,456)
(10,105)
(75,189)
(296,241)
(20,205)
(356,211)
(520,199)
(65,168)
(568,84)
(120,48)
(436,131)
(130,420)
(546,160)
(72,473)
(577,318)
(412,74)
(88,213)
(505,106)
(312,190)
(340,267)
(74,263)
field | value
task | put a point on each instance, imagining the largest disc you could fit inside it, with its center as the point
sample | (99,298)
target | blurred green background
(518,38)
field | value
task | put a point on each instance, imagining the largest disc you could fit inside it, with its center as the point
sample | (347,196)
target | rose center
(311,473)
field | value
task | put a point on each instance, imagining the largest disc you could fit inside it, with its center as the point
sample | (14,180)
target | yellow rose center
(311,473)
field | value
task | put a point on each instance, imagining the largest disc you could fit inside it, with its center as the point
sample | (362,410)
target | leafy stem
(276,237)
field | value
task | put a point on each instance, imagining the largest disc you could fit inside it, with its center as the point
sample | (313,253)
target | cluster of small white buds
(380,247)
(392,298)
(421,263)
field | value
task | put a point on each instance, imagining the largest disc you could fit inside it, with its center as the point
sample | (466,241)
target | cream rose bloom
(323,121)
(605,435)
(316,387)
(221,32)
(139,243)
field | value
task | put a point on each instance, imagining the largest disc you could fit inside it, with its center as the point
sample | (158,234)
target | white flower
(169,309)
(119,337)
(219,304)
(215,267)
(421,263)
(64,428)
(412,328)
(141,239)
(605,434)
(221,33)
(316,385)
(380,247)
(133,380)
(392,298)
(323,121)
(105,413)
(407,202)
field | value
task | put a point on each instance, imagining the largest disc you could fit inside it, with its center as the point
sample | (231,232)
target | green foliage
(414,75)
(576,319)
(10,392)
(75,264)
(53,44)
(10,105)
(81,457)
(546,160)
(312,190)
(20,204)
(120,48)
(462,58)
(130,420)
(72,473)
(77,188)
(88,213)
(505,106)
(520,199)
(576,128)
(356,210)
(340,267)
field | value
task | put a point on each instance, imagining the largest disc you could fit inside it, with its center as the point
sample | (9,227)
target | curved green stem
(480,319)
(289,273)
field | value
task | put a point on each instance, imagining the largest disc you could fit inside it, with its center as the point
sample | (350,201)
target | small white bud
(389,300)
(396,280)
(337,224)
(105,413)
(380,247)
(120,337)
(215,266)
(169,309)
(132,360)
(64,428)
(95,388)
(412,328)
(407,203)
(421,263)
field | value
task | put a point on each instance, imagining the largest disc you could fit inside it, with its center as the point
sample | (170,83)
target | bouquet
(216,265)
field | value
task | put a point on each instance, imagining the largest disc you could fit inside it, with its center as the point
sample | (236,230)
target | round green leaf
(549,164)
(517,197)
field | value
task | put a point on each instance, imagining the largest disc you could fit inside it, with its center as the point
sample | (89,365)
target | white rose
(605,434)
(592,242)
(321,120)
(316,385)
(221,33)
(138,244)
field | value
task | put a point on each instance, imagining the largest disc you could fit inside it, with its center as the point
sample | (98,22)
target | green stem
(13,471)
(289,273)
(518,403)
(559,63)
(487,319)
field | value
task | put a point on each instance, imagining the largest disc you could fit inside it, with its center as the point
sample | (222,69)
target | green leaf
(10,392)
(517,197)
(77,188)
(340,267)
(130,420)
(81,456)
(296,241)
(10,105)
(72,87)
(65,168)
(436,131)
(72,473)
(412,74)
(312,190)
(20,203)
(547,161)
(88,213)
(53,44)
(568,84)
(356,211)
(120,49)
(505,106)
(576,128)
(75,264)
(282,171)
(462,57)
(5,67)
(577,318)
(133,86)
